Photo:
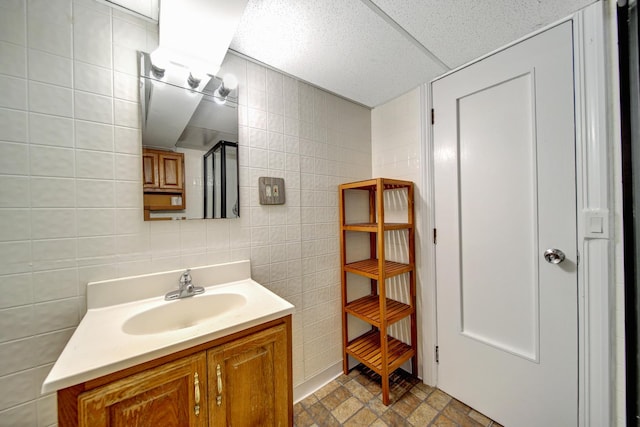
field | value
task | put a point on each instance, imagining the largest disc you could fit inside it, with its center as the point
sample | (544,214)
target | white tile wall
(70,190)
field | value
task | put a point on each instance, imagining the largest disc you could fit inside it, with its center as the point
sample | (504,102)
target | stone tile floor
(356,400)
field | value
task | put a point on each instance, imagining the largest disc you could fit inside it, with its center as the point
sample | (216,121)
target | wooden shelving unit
(376,348)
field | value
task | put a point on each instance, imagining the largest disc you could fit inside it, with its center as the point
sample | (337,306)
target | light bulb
(230,81)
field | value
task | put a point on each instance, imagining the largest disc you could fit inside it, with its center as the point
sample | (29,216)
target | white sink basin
(182,313)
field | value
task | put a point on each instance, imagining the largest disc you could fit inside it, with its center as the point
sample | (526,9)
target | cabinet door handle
(196,385)
(219,375)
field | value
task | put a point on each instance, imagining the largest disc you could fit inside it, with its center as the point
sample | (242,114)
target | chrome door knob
(554,256)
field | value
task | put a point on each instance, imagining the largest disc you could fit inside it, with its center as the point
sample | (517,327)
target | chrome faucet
(185,288)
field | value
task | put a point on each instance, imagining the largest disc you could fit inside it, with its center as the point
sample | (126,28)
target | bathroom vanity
(216,359)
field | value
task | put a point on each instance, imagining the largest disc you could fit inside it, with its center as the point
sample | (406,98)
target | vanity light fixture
(229,83)
(159,63)
(194,81)
(198,71)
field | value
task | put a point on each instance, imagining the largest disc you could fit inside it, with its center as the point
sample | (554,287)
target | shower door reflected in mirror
(221,195)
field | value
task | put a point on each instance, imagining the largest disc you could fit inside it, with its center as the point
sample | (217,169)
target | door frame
(597,176)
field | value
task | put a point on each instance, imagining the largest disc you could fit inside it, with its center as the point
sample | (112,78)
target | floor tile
(356,400)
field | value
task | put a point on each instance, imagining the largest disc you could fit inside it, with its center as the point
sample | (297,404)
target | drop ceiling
(371,51)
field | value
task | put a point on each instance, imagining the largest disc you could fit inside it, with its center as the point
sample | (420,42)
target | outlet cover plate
(271,191)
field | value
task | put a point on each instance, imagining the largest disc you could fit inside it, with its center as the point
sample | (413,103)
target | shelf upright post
(382,291)
(343,272)
(373,236)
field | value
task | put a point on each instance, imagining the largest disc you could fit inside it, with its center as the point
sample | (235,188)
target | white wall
(71,199)
(396,139)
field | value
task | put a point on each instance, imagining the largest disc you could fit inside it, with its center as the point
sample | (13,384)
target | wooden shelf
(368,309)
(366,349)
(371,184)
(369,268)
(376,308)
(372,227)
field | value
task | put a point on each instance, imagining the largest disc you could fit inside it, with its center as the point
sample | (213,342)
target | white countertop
(99,345)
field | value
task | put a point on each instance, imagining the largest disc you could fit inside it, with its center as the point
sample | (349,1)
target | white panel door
(505,192)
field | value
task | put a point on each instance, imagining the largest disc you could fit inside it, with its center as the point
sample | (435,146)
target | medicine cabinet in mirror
(190,142)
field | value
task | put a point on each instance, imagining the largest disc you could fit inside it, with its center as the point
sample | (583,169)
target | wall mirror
(189,142)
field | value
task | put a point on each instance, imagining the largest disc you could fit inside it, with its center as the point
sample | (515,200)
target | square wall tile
(14,191)
(23,387)
(53,223)
(95,193)
(16,323)
(92,36)
(49,26)
(127,113)
(16,257)
(125,60)
(94,164)
(92,107)
(128,194)
(14,158)
(13,92)
(51,161)
(53,192)
(49,99)
(128,140)
(45,129)
(49,68)
(12,22)
(55,315)
(13,125)
(92,78)
(14,61)
(15,224)
(96,222)
(126,87)
(129,34)
(94,136)
(128,167)
(54,284)
(16,290)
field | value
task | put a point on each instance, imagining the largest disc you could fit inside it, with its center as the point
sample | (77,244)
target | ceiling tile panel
(462,30)
(341,46)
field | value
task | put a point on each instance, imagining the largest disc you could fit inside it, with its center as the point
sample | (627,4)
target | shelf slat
(366,349)
(370,184)
(372,227)
(369,268)
(368,309)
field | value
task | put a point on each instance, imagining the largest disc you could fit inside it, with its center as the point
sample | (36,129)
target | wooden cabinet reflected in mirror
(163,182)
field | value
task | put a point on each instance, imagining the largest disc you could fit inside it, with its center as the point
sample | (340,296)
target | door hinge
(433,116)
(435,236)
(437,351)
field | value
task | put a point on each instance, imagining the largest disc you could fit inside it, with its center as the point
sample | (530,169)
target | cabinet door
(167,396)
(249,381)
(171,171)
(150,178)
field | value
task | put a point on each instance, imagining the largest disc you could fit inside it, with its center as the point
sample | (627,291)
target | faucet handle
(185,279)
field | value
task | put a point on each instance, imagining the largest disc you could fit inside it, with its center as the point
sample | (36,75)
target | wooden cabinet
(376,348)
(171,395)
(243,379)
(162,170)
(246,378)
(162,181)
